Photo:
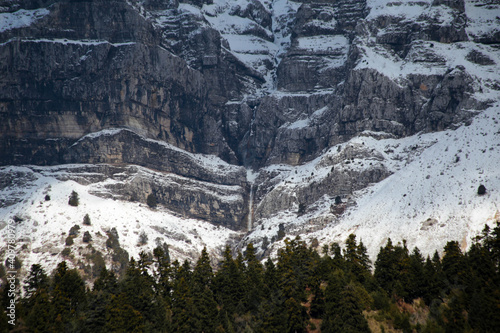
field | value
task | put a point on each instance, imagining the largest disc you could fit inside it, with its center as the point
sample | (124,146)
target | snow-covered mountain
(247,120)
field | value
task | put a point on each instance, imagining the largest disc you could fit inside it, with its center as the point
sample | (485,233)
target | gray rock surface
(169,72)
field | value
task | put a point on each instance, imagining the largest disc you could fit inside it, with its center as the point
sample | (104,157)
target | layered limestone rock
(119,146)
(254,83)
(334,58)
(194,185)
(350,169)
(105,68)
(220,204)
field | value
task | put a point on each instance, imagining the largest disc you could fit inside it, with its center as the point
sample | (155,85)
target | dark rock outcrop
(312,76)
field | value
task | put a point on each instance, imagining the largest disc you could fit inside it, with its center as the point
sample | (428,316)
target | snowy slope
(46,224)
(20,18)
(430,198)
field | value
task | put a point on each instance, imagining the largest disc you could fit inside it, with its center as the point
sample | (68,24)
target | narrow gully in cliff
(251,176)
(250,209)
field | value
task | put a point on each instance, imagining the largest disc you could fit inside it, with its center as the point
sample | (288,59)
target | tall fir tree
(229,284)
(183,307)
(122,317)
(272,315)
(350,316)
(105,288)
(296,316)
(138,288)
(68,298)
(163,273)
(37,300)
(357,260)
(415,286)
(331,319)
(39,312)
(386,267)
(453,262)
(254,283)
(205,306)
(37,279)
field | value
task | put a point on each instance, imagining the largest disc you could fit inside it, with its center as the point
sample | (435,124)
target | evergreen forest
(336,289)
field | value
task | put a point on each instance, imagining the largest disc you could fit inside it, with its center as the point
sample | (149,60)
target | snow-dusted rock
(377,102)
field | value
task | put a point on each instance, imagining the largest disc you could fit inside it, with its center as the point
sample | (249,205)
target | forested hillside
(337,290)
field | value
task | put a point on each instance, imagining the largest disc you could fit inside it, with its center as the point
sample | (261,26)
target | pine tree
(68,298)
(163,273)
(203,274)
(350,315)
(254,283)
(357,260)
(392,269)
(403,268)
(36,280)
(432,284)
(317,308)
(331,319)
(294,269)
(229,283)
(454,264)
(415,285)
(183,307)
(39,312)
(492,243)
(271,279)
(100,299)
(138,289)
(483,289)
(205,306)
(272,315)
(386,272)
(37,304)
(454,313)
(296,316)
(122,317)
(271,312)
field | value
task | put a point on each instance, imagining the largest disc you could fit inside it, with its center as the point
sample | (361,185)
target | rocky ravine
(200,90)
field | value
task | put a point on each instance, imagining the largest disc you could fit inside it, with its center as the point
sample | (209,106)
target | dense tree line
(336,290)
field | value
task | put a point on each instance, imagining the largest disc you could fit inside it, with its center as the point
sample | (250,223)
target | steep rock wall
(253,83)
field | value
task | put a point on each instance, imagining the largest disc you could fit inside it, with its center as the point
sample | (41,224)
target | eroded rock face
(127,147)
(220,204)
(101,65)
(352,169)
(253,84)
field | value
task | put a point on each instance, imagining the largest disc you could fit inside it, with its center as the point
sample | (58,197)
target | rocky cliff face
(253,84)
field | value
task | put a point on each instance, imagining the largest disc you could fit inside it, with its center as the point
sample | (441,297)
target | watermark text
(11,272)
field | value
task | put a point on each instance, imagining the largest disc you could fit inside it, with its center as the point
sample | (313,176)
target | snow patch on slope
(21,18)
(430,198)
(259,52)
(440,185)
(42,233)
(482,17)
